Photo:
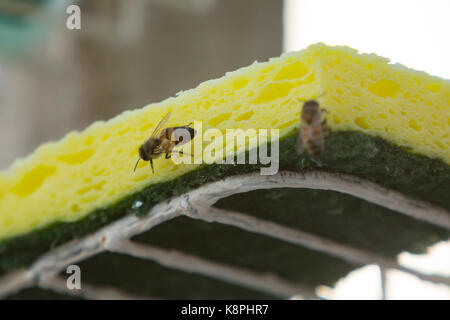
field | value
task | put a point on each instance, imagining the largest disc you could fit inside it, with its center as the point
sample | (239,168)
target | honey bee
(313,129)
(164,140)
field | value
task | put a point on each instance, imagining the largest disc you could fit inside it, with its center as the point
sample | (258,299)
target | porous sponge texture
(66,180)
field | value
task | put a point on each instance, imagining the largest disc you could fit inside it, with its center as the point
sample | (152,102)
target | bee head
(143,153)
(310,109)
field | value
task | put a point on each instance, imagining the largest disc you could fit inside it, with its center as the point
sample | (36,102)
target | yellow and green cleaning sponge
(381,116)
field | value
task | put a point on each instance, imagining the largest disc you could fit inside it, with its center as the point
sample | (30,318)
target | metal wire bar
(345,252)
(49,265)
(321,180)
(267,283)
(15,281)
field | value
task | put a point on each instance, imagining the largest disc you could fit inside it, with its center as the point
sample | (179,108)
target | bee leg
(168,155)
(299,144)
(325,128)
(317,162)
(151,164)
(303,162)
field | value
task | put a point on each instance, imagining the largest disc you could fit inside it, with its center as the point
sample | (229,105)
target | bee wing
(161,124)
(299,147)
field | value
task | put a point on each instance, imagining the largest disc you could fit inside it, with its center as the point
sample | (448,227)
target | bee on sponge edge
(164,140)
(312,131)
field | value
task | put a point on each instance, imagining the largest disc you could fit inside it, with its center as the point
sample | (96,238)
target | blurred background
(129,53)
(126,55)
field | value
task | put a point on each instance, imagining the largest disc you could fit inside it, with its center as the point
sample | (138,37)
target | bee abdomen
(315,148)
(181,135)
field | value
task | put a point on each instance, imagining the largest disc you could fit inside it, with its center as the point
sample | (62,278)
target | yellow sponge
(65,180)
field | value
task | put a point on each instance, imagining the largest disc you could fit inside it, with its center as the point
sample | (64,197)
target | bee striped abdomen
(313,129)
(181,135)
(313,140)
(315,148)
